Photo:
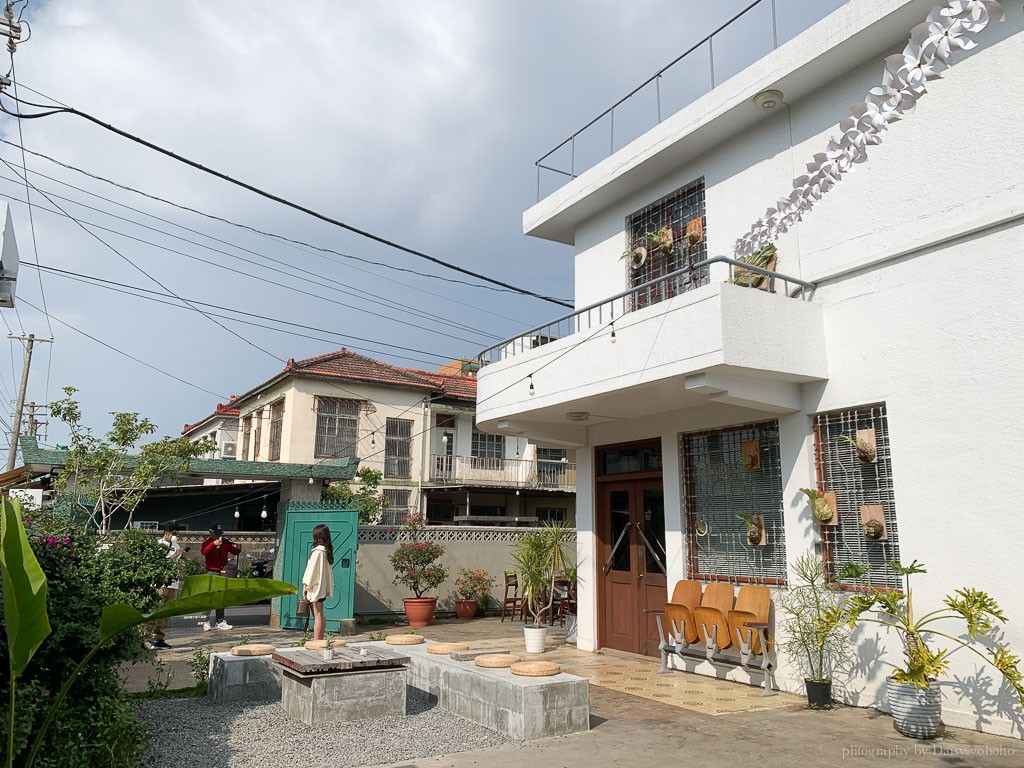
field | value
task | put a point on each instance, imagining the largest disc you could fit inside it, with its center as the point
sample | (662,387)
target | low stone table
(351,686)
(243,678)
(522,708)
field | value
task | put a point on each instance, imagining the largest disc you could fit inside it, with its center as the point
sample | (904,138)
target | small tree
(360,494)
(415,561)
(99,476)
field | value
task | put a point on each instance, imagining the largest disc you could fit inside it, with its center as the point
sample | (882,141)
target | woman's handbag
(302,609)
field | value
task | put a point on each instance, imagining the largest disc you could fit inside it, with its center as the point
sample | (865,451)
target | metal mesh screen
(855,484)
(718,484)
(398,448)
(672,213)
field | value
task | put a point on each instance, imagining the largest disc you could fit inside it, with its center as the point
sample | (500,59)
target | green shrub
(200,664)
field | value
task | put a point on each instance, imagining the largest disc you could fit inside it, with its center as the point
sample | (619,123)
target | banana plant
(27,624)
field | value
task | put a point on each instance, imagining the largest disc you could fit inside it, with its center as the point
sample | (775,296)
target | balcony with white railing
(502,473)
(720,331)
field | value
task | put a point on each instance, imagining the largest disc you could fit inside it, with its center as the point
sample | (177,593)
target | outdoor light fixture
(445,437)
(613,333)
(263,512)
(577,415)
(237,515)
(768,100)
(311,480)
(532,391)
(373,440)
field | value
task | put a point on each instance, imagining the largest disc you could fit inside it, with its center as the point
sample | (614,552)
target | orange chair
(712,620)
(752,605)
(678,629)
(512,599)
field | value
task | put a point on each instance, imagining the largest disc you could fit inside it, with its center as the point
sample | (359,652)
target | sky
(417,121)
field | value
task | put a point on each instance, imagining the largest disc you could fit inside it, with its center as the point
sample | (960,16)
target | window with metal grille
(397,498)
(398,448)
(257,435)
(664,237)
(726,473)
(337,427)
(276,428)
(550,454)
(857,484)
(246,437)
(552,514)
(487,446)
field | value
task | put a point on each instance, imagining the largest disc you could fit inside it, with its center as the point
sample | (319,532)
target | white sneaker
(206,626)
(223,625)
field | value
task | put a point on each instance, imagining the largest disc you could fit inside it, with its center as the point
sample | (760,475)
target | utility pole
(20,406)
(32,428)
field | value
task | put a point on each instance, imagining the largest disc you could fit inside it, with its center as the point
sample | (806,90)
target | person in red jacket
(217,549)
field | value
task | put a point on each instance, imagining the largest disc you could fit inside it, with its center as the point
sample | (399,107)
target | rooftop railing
(603,313)
(670,99)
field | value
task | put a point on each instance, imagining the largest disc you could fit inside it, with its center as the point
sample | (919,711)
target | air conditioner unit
(229,450)
(146,525)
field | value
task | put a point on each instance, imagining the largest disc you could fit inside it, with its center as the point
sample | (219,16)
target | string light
(373,440)
(310,480)
(237,514)
(613,332)
(445,437)
(263,512)
(532,391)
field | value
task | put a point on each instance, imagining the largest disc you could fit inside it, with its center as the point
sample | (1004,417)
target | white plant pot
(328,654)
(916,712)
(535,638)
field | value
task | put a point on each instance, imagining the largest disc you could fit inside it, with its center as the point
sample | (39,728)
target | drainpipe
(425,436)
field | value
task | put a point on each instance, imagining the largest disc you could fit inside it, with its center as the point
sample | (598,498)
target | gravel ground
(191,732)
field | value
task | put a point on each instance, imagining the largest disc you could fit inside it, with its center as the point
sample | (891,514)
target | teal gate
(297,541)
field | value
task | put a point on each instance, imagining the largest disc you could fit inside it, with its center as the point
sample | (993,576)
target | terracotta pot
(420,610)
(465,609)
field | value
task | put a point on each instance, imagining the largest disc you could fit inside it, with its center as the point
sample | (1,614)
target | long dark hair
(322,536)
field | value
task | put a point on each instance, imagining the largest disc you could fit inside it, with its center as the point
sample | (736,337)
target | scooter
(261,567)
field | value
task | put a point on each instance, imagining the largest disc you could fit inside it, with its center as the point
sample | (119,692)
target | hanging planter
(694,232)
(750,454)
(823,506)
(872,521)
(701,528)
(867,450)
(756,534)
(635,257)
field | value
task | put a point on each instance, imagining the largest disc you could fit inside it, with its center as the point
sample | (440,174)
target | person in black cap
(217,549)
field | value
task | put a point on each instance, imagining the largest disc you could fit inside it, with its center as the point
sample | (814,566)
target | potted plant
(328,649)
(539,557)
(636,256)
(661,240)
(873,529)
(755,527)
(822,510)
(914,698)
(818,647)
(865,451)
(474,589)
(416,567)
(766,257)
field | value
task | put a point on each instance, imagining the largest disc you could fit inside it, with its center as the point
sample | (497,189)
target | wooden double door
(631,566)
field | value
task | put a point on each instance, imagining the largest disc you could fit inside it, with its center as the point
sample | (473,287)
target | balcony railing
(505,473)
(601,314)
(588,138)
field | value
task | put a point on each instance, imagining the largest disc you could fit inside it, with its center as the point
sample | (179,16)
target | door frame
(602,520)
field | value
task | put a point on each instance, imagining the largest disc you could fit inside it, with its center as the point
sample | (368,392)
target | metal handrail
(673,283)
(656,79)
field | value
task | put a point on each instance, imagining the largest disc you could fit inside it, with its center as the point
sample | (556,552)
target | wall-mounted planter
(757,536)
(872,519)
(867,449)
(750,454)
(694,232)
(830,499)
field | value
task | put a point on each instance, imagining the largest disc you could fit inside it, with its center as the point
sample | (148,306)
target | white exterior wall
(223,430)
(916,256)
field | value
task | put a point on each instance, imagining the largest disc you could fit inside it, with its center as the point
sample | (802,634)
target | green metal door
(296,543)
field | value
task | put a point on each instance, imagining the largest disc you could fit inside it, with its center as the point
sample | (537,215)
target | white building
(903,315)
(221,427)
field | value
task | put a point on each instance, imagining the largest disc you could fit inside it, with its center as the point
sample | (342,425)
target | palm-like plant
(540,559)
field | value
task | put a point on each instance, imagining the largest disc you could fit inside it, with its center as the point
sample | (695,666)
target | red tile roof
(220,410)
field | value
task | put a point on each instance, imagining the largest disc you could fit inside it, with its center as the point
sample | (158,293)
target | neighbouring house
(694,390)
(418,429)
(221,427)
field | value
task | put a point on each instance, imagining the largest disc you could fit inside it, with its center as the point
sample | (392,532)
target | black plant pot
(819,694)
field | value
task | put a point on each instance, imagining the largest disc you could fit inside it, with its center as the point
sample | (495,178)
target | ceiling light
(768,100)
(577,415)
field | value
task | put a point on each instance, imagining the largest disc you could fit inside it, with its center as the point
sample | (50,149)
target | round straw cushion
(252,649)
(445,648)
(316,645)
(535,668)
(496,660)
(403,639)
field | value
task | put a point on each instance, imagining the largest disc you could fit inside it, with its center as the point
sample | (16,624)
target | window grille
(855,484)
(551,454)
(257,435)
(717,484)
(675,213)
(552,514)
(487,446)
(276,428)
(337,427)
(397,508)
(398,448)
(246,437)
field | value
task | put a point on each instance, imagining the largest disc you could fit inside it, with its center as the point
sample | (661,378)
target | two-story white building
(417,428)
(694,393)
(220,427)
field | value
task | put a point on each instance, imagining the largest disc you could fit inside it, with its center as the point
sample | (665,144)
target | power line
(82,223)
(316,250)
(275,198)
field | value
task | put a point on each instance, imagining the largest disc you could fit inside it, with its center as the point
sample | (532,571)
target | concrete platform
(522,708)
(243,678)
(344,696)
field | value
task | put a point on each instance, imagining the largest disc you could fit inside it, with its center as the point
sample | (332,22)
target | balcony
(718,332)
(502,473)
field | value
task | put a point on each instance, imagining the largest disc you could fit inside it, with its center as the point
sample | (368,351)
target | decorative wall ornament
(931,45)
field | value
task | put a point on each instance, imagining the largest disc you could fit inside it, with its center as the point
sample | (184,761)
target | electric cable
(270,196)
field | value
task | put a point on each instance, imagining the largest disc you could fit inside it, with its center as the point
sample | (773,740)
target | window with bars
(257,435)
(487,446)
(398,448)
(552,514)
(664,237)
(276,429)
(397,498)
(551,454)
(246,437)
(859,486)
(726,473)
(337,427)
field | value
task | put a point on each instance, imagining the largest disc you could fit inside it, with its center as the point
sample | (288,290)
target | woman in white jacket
(318,580)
